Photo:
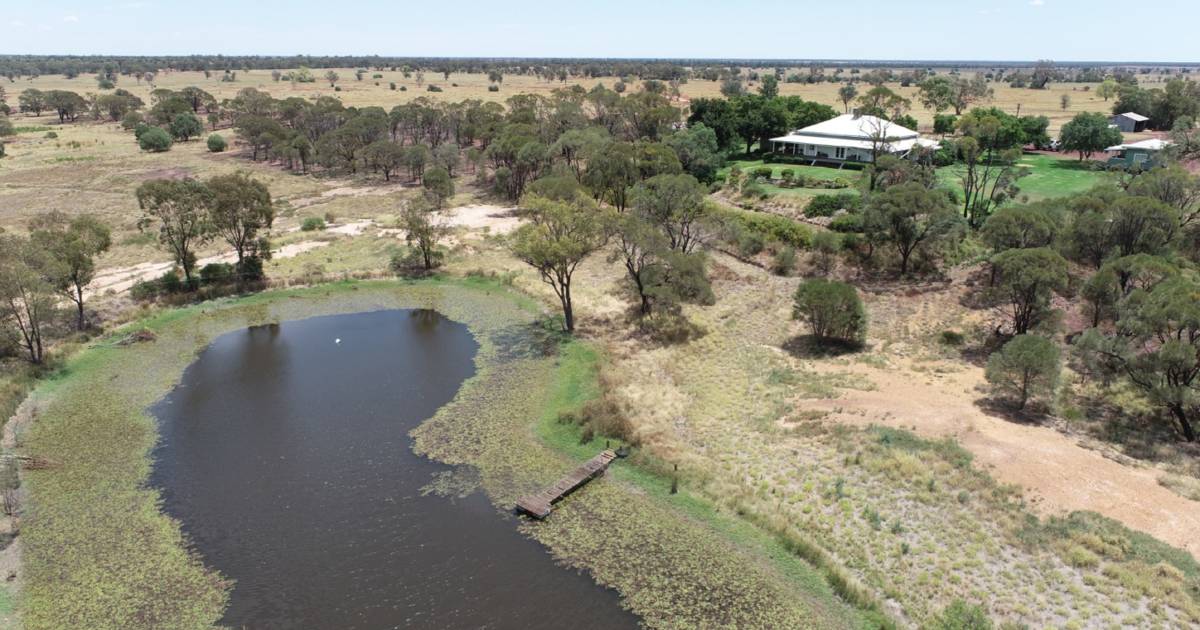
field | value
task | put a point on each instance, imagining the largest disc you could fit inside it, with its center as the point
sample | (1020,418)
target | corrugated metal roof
(1153,144)
(856,132)
(894,146)
(857,127)
(1134,116)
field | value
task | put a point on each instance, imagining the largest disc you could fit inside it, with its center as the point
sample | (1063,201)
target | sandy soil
(1058,474)
(344,189)
(122,278)
(353,228)
(496,219)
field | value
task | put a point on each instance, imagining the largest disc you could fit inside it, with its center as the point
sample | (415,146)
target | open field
(815,491)
(371,91)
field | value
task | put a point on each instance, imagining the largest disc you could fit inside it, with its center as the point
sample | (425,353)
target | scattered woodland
(760,326)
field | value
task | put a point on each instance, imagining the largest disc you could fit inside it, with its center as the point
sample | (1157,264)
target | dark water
(286,457)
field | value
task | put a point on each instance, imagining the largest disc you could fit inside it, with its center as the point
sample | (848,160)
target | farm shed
(1130,122)
(1143,154)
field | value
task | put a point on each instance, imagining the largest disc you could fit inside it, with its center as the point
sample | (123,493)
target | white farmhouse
(850,139)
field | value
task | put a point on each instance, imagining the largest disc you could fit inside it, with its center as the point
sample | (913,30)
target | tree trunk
(1185,425)
(568,311)
(79,307)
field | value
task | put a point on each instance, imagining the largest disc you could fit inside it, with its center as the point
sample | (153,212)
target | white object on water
(338,340)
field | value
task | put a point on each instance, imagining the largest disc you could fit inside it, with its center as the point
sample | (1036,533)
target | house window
(840,153)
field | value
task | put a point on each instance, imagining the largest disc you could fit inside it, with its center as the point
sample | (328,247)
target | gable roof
(1153,144)
(854,127)
(854,131)
(1133,116)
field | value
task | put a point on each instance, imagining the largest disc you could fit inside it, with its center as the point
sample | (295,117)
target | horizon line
(676,59)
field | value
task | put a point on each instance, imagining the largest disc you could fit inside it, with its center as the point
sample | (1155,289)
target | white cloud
(17,24)
(1037,3)
(71,18)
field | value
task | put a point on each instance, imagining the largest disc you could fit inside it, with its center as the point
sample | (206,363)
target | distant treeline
(13,66)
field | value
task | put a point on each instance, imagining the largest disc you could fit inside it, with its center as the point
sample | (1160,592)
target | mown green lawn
(811,172)
(1048,176)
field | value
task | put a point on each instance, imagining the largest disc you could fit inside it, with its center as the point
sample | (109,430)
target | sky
(1002,30)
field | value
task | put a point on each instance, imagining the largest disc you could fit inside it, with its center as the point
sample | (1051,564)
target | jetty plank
(540,505)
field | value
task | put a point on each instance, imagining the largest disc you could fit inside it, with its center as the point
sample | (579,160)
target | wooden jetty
(540,505)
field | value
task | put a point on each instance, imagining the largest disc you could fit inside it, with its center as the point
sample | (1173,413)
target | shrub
(1027,366)
(847,223)
(763,172)
(186,126)
(750,243)
(493,88)
(1,149)
(216,143)
(6,126)
(947,154)
(960,615)
(155,139)
(944,123)
(833,310)
(131,121)
(785,261)
(432,88)
(788,175)
(216,273)
(753,190)
(403,88)
(952,338)
(826,246)
(51,135)
(768,227)
(313,224)
(392,85)
(166,284)
(828,205)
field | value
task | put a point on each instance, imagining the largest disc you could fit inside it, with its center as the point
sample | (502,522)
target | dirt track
(1058,474)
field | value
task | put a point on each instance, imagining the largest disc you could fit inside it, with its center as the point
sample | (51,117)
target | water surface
(285,454)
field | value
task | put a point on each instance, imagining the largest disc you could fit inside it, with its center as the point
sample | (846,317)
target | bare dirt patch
(123,278)
(344,189)
(937,397)
(1058,474)
(496,219)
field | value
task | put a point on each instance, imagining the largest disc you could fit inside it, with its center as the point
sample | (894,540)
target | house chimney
(854,112)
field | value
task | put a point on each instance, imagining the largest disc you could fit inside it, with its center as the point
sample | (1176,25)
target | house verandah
(849,139)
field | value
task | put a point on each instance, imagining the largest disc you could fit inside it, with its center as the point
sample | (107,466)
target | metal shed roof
(1134,116)
(1153,144)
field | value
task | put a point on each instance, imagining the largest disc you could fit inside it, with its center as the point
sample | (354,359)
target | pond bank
(98,552)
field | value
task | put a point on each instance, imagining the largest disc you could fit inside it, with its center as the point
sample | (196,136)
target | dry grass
(359,93)
(904,520)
